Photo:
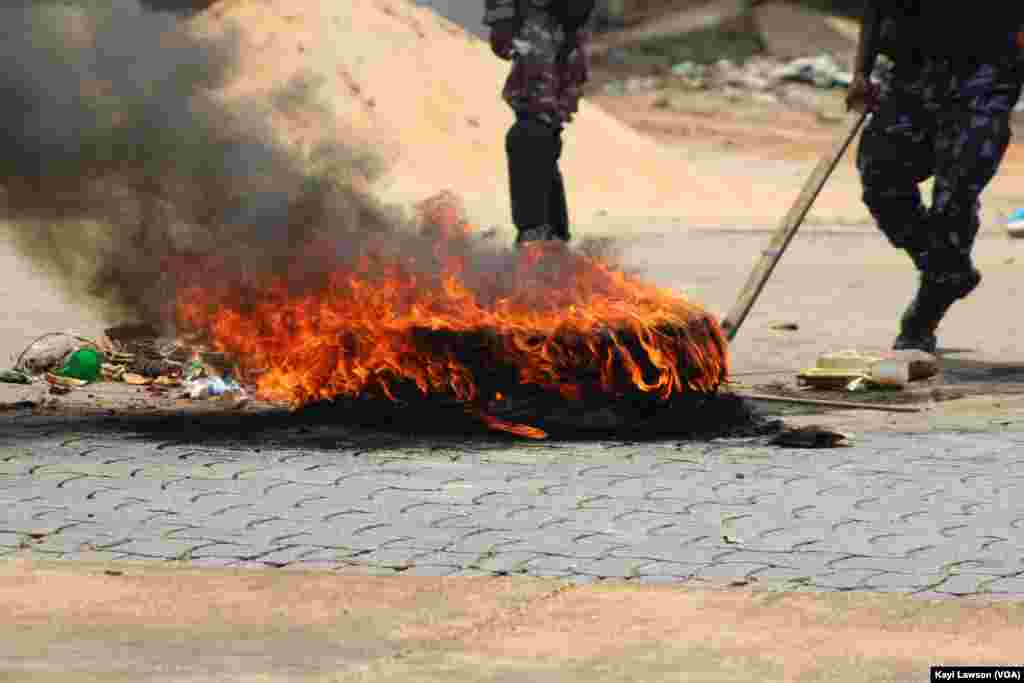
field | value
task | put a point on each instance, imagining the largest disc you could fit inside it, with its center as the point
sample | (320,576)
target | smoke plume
(122,174)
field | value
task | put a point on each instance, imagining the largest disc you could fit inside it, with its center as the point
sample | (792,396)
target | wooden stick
(787,229)
(831,404)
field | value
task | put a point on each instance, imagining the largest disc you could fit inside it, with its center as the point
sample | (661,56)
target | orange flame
(566,322)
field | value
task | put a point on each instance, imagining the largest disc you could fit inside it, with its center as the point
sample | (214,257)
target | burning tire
(525,341)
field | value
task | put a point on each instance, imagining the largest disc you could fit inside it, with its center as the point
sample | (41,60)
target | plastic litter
(821,71)
(83,364)
(49,351)
(1015,223)
(14,377)
(890,373)
(214,386)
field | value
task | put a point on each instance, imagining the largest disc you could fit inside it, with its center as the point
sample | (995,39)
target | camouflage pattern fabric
(943,118)
(549,69)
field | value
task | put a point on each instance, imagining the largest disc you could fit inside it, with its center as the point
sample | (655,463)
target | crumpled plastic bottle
(213,386)
(206,387)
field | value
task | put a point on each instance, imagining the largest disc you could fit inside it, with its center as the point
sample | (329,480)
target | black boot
(935,294)
(537,233)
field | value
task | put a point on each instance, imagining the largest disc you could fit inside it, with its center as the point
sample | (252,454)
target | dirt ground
(138,622)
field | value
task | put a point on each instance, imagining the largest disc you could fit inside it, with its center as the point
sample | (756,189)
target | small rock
(811,436)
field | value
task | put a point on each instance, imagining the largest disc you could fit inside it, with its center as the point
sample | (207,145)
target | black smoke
(119,166)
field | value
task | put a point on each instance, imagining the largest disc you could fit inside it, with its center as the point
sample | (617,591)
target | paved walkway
(932,513)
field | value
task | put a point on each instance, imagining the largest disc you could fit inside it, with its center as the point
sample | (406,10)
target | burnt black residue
(364,426)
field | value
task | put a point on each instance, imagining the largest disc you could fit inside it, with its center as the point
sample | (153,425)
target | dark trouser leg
(895,154)
(972,136)
(558,209)
(533,147)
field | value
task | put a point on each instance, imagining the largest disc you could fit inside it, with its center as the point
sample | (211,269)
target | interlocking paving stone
(511,562)
(157,548)
(10,539)
(432,570)
(1007,584)
(728,570)
(668,569)
(848,579)
(936,513)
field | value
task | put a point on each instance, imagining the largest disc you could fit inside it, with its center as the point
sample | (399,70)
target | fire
(461,323)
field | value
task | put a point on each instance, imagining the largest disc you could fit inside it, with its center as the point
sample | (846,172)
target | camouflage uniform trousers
(945,119)
(544,90)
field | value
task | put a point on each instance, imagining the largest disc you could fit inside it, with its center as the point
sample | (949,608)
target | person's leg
(972,136)
(558,207)
(534,143)
(895,154)
(533,146)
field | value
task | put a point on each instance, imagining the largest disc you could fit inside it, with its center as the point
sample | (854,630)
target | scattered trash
(67,382)
(890,373)
(214,386)
(846,360)
(83,364)
(1015,223)
(829,378)
(155,367)
(811,436)
(855,371)
(112,373)
(202,388)
(632,86)
(14,377)
(822,72)
(49,351)
(219,363)
(859,384)
(690,70)
(915,365)
(130,354)
(784,327)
